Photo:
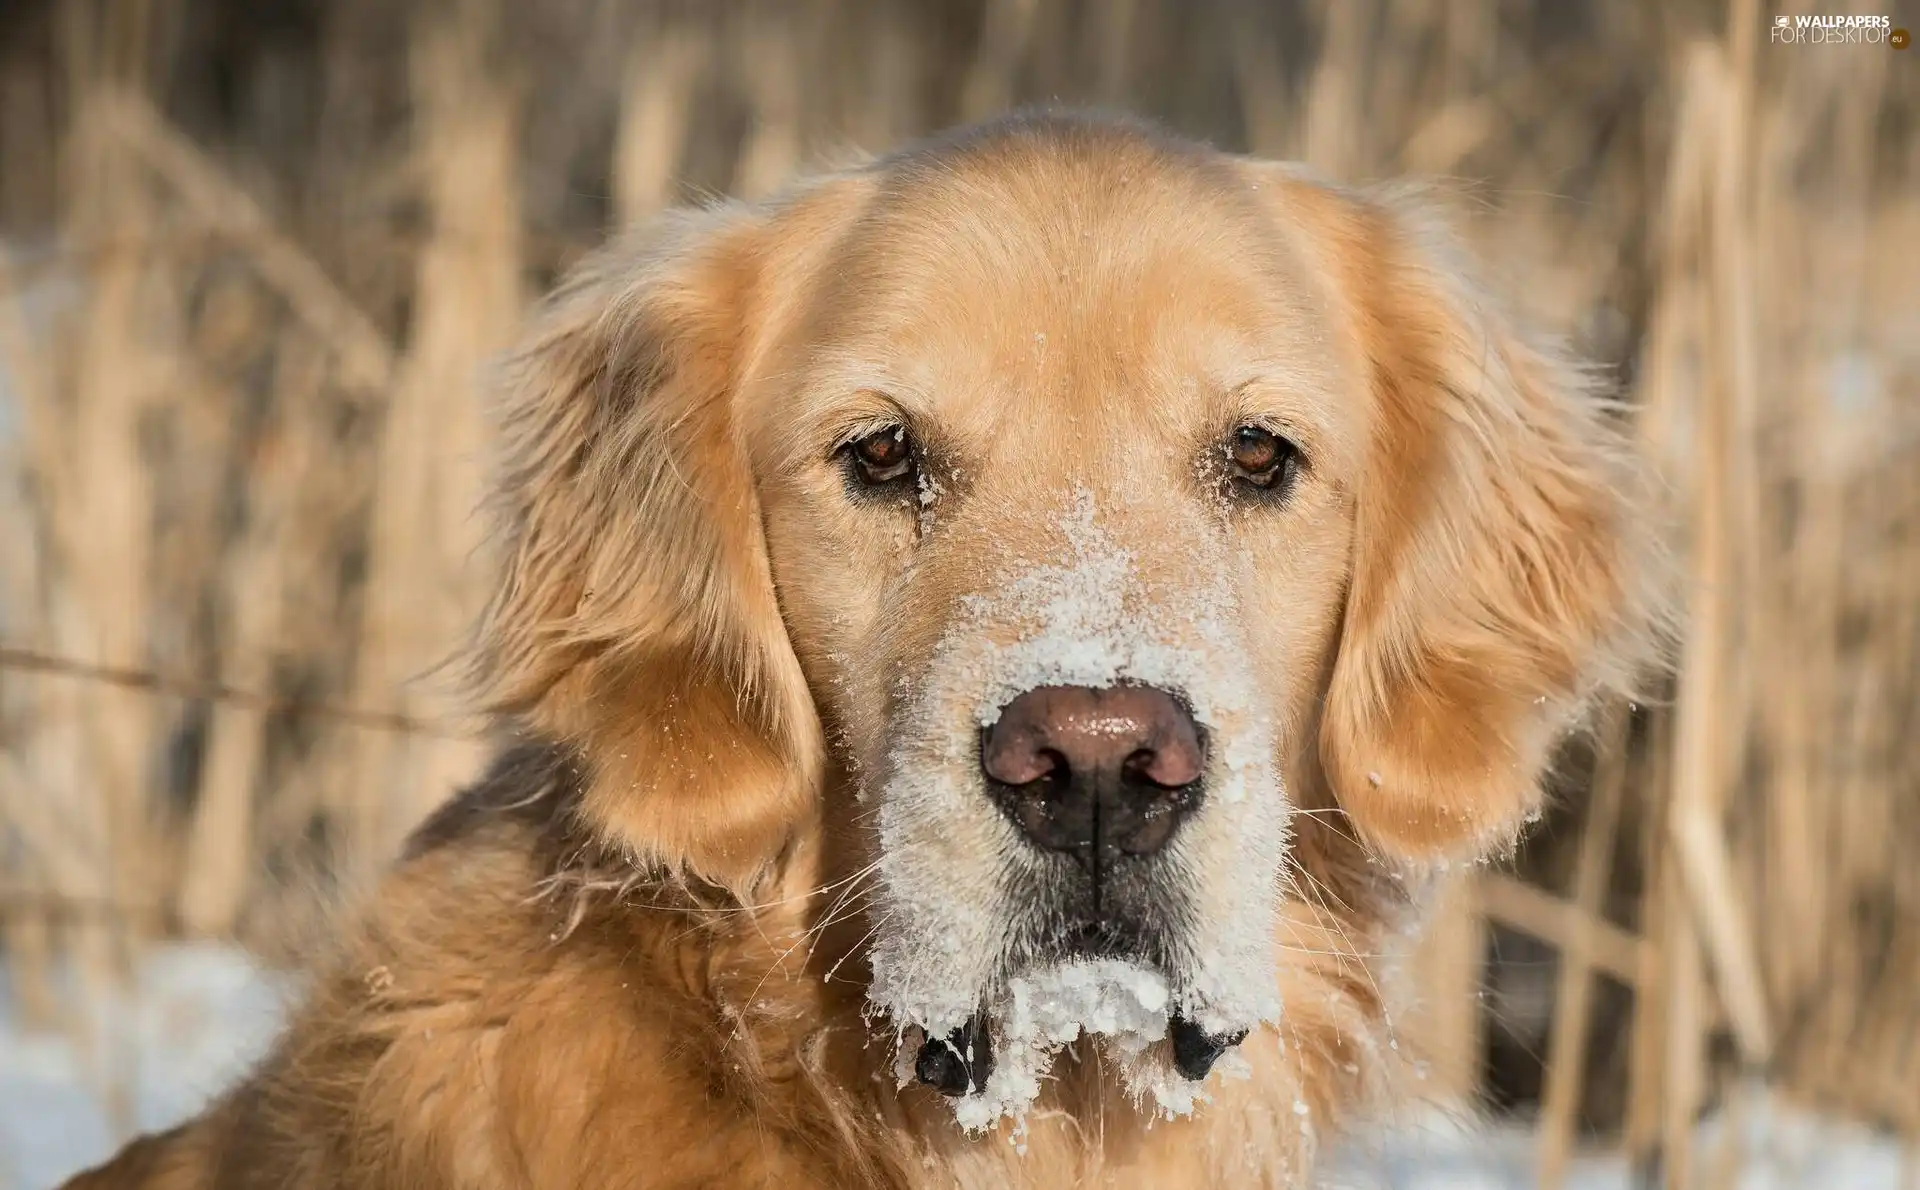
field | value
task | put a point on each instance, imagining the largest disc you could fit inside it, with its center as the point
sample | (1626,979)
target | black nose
(1097,773)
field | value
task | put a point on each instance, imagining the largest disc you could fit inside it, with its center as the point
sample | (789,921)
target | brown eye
(882,456)
(1262,458)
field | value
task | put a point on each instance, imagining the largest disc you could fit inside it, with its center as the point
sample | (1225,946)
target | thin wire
(30,661)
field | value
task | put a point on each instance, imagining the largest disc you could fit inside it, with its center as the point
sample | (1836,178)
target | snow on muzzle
(1076,720)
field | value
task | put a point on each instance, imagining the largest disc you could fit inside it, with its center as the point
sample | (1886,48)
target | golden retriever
(998,644)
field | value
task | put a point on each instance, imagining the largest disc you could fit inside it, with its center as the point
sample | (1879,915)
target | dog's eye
(1262,458)
(882,457)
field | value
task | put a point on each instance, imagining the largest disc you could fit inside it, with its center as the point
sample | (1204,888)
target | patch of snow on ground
(1783,1148)
(196,1016)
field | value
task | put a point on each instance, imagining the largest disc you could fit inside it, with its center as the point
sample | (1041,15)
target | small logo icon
(1780,22)
(1899,39)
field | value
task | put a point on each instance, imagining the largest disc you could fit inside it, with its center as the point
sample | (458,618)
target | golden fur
(635,954)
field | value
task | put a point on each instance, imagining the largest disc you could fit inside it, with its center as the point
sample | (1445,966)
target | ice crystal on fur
(1125,1004)
(951,865)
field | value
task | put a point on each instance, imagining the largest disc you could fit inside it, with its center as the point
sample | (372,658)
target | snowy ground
(195,1018)
(199,1014)
(1781,1150)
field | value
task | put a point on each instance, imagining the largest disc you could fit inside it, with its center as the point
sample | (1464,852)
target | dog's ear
(1503,567)
(635,619)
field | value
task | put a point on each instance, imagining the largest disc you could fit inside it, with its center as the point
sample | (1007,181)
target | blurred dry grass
(253,263)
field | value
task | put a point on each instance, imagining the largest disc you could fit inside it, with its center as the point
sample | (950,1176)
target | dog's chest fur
(514,1015)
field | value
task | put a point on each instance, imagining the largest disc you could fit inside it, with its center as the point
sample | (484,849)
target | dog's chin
(986,991)
(1114,982)
(994,1064)
(985,994)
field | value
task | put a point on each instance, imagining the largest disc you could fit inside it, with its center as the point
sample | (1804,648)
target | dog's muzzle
(961,1062)
(1105,776)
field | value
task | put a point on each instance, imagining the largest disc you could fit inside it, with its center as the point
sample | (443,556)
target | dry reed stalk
(366,359)
(1799,614)
(664,73)
(1532,911)
(768,50)
(1448,136)
(1405,31)
(1471,34)
(888,107)
(1646,1069)
(98,499)
(1665,1082)
(1663,424)
(1448,968)
(102,530)
(221,857)
(1469,102)
(1110,31)
(219,860)
(27,930)
(1006,34)
(1733,352)
(26,936)
(1566,1049)
(421,585)
(1710,713)
(327,499)
(1334,135)
(1835,842)
(1710,913)
(1683,1027)
(1264,106)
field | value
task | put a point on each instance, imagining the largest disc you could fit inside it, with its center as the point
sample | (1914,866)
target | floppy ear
(635,620)
(1501,559)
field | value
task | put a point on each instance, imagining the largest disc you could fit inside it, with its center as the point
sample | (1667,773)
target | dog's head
(1057,508)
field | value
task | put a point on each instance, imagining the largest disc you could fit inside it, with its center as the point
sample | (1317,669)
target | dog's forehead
(1045,285)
